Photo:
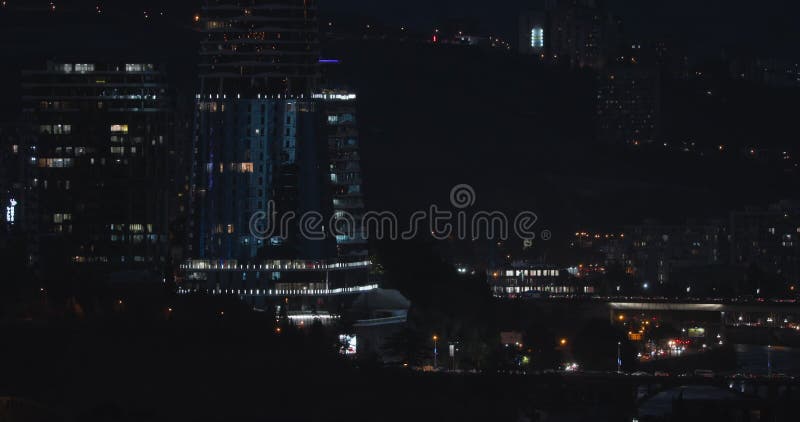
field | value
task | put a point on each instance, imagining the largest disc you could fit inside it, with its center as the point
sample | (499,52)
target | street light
(619,357)
(769,360)
(435,351)
(563,342)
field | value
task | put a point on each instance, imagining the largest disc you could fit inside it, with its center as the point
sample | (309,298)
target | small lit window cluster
(60,218)
(57,129)
(242,167)
(56,162)
(210,106)
(84,67)
(118,128)
(531,273)
(537,37)
(138,67)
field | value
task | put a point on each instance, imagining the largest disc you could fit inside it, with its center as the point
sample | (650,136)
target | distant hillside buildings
(580,33)
(766,239)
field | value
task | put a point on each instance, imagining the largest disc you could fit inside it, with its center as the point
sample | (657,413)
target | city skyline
(312,210)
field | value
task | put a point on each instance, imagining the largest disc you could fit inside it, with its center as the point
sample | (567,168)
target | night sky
(767,27)
(708,28)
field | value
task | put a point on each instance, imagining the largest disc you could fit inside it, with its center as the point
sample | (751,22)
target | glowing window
(62,129)
(537,37)
(137,67)
(55,162)
(84,67)
(119,128)
(60,218)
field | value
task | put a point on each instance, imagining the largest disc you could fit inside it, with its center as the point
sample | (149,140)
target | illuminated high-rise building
(267,47)
(533,35)
(262,145)
(98,184)
(345,169)
(579,33)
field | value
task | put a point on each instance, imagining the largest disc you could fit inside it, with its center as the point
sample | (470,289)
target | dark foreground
(232,370)
(170,372)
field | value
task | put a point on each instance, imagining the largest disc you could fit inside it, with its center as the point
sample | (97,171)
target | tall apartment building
(345,170)
(97,186)
(580,33)
(628,104)
(268,140)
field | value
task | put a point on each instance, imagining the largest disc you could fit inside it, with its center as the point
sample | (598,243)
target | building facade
(522,279)
(658,251)
(345,172)
(13,172)
(97,191)
(768,238)
(629,104)
(272,152)
(579,33)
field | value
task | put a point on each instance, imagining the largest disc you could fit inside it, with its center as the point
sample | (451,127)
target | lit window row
(136,238)
(537,37)
(209,106)
(78,67)
(56,162)
(55,129)
(232,167)
(138,67)
(60,218)
(242,167)
(532,273)
(220,228)
(78,151)
(119,128)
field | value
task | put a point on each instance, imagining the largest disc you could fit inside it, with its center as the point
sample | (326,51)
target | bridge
(700,306)
(599,307)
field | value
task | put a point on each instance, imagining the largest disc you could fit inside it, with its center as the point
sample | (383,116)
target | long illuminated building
(262,144)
